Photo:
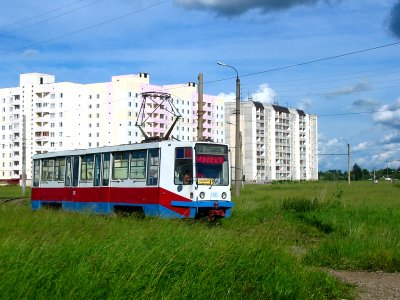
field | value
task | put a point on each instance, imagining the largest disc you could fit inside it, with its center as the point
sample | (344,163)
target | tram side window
(183,165)
(120,165)
(87,164)
(47,170)
(106,169)
(153,163)
(68,174)
(36,172)
(59,169)
(97,163)
(138,164)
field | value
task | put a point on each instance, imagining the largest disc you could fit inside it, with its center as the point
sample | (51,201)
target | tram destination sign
(211,149)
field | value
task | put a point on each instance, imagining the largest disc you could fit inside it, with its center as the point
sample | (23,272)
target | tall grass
(50,254)
(12,191)
(269,248)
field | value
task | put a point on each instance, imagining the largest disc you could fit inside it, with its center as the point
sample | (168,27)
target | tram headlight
(223,195)
(202,195)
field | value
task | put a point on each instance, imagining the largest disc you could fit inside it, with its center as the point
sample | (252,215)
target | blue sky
(91,40)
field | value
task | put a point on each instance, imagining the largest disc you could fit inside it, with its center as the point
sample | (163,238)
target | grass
(10,191)
(273,247)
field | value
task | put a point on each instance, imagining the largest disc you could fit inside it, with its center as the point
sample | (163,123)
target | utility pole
(237,139)
(200,111)
(23,181)
(348,163)
(237,134)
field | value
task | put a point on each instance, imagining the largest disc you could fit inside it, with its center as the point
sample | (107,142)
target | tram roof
(125,147)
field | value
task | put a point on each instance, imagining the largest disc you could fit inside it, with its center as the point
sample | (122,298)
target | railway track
(17,200)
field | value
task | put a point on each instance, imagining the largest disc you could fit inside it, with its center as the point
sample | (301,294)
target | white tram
(170,179)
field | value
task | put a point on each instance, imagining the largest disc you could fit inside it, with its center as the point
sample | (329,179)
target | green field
(276,245)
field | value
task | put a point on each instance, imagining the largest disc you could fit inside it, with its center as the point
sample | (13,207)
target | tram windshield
(212,167)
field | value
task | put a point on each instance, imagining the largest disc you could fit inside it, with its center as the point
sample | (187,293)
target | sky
(337,59)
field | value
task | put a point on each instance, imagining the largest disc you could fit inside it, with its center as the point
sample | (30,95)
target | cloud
(364,104)
(344,91)
(394,20)
(30,53)
(304,104)
(264,94)
(391,138)
(389,115)
(230,97)
(361,146)
(383,157)
(238,7)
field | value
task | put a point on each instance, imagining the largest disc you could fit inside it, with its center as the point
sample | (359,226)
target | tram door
(70,182)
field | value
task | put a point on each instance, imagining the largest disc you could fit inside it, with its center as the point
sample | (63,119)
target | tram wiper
(212,183)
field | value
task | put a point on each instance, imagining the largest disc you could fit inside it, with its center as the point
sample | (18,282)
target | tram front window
(212,167)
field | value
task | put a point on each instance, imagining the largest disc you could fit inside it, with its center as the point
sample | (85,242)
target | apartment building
(277,143)
(66,115)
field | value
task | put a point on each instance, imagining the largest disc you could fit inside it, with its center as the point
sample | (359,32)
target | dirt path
(372,285)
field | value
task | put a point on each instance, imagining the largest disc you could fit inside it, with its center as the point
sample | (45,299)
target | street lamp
(348,160)
(237,134)
(238,148)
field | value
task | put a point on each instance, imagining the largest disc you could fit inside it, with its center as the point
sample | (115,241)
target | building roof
(301,112)
(281,109)
(258,105)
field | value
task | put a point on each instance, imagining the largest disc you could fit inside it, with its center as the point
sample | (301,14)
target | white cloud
(361,146)
(383,157)
(304,104)
(30,53)
(393,137)
(389,115)
(264,94)
(231,97)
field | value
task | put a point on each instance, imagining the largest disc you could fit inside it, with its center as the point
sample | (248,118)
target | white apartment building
(65,115)
(277,143)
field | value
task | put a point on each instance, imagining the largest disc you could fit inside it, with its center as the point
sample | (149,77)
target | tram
(166,178)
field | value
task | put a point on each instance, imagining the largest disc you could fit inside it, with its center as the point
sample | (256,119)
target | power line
(87,28)
(358,113)
(40,15)
(308,62)
(325,79)
(52,18)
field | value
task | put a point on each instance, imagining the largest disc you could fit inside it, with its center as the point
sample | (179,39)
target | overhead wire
(307,62)
(87,27)
(51,18)
(40,15)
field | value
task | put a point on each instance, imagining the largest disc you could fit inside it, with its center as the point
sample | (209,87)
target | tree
(357,172)
(365,174)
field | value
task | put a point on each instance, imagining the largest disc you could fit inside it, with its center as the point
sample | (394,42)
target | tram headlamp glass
(223,195)
(202,195)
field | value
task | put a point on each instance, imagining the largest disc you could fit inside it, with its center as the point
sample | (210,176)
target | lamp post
(238,148)
(237,134)
(348,160)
